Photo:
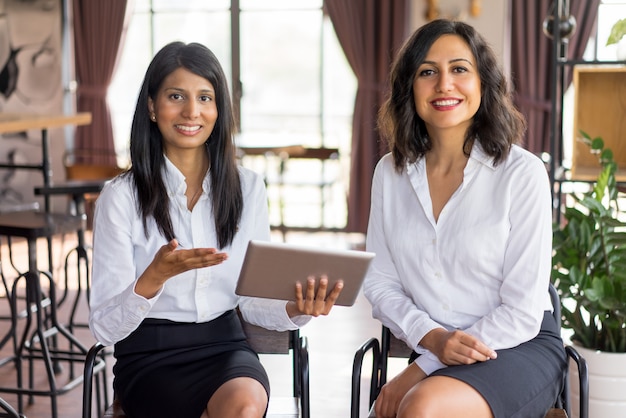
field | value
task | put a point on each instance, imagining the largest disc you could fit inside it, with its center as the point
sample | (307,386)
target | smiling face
(446,88)
(185,110)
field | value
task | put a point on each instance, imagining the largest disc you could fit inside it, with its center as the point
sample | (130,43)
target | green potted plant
(589,271)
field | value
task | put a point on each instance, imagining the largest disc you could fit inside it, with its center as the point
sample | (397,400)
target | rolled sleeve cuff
(429,363)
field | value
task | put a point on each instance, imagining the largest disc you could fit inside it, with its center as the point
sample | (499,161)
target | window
(297,87)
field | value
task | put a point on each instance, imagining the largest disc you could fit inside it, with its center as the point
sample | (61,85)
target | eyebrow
(203,91)
(452,61)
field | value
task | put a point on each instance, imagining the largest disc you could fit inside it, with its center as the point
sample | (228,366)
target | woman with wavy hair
(461,224)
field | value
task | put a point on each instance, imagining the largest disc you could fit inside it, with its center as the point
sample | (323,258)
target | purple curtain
(370,32)
(98,29)
(532,65)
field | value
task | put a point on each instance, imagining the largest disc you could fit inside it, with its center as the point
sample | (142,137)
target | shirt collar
(479,155)
(173,178)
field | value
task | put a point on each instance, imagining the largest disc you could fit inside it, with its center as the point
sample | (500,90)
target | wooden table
(21,122)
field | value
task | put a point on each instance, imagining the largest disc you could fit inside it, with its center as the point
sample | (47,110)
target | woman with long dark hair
(170,235)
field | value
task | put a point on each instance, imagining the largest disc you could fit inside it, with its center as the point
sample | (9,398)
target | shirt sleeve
(527,261)
(115,309)
(383,287)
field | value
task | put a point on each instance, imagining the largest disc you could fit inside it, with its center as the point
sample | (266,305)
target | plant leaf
(617,31)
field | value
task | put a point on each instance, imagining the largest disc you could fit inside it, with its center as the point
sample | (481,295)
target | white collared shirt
(121,253)
(483,267)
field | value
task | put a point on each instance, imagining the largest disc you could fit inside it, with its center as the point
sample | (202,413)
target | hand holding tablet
(271,270)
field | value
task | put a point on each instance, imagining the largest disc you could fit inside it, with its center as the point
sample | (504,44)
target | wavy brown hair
(496,125)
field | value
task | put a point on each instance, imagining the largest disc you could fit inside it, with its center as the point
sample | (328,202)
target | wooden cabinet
(600,111)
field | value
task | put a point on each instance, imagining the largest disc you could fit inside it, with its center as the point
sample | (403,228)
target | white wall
(492,23)
(30,45)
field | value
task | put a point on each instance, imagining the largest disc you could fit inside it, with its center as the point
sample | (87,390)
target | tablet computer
(271,270)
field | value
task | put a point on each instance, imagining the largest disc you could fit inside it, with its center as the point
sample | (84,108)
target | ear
(150,105)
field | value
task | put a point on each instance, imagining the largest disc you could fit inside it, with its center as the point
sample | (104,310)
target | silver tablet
(271,270)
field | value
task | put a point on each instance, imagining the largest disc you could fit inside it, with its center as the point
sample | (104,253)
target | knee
(417,403)
(251,410)
(242,408)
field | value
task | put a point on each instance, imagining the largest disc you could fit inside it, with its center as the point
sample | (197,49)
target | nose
(191,109)
(444,83)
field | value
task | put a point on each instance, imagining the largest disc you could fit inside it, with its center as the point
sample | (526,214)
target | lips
(446,102)
(188,129)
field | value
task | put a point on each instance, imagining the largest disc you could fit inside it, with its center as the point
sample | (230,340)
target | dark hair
(146,144)
(497,123)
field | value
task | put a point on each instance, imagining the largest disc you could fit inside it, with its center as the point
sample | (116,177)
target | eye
(426,72)
(460,69)
(206,98)
(176,96)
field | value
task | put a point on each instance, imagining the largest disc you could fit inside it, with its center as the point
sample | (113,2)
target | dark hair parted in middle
(146,143)
(496,125)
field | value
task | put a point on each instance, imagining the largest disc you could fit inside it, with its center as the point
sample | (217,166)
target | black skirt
(524,381)
(169,369)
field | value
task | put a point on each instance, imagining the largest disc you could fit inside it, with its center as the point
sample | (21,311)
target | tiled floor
(332,342)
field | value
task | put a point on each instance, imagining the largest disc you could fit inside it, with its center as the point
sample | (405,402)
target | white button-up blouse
(122,251)
(483,267)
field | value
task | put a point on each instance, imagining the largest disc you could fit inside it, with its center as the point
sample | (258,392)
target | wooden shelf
(599,110)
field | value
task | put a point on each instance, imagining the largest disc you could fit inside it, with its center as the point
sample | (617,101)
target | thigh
(524,381)
(238,397)
(183,387)
(443,396)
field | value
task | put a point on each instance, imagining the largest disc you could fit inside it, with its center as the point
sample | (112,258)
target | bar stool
(32,345)
(11,208)
(77,189)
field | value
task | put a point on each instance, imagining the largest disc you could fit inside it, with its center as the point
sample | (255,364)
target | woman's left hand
(312,302)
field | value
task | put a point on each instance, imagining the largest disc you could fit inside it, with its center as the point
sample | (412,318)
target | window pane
(190,5)
(141,6)
(126,83)
(280,4)
(209,28)
(339,89)
(280,71)
(608,14)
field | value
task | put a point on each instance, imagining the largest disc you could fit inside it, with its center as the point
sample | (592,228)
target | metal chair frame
(390,346)
(263,341)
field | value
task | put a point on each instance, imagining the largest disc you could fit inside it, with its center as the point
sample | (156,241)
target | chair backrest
(265,341)
(91,171)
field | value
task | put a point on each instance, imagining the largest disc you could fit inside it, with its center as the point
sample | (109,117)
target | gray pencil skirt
(167,369)
(524,381)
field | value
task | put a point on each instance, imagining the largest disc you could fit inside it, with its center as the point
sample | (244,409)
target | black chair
(390,346)
(263,341)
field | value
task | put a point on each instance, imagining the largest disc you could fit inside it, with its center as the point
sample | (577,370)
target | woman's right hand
(456,347)
(392,392)
(170,261)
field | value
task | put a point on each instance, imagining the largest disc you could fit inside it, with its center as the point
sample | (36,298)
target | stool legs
(25,345)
